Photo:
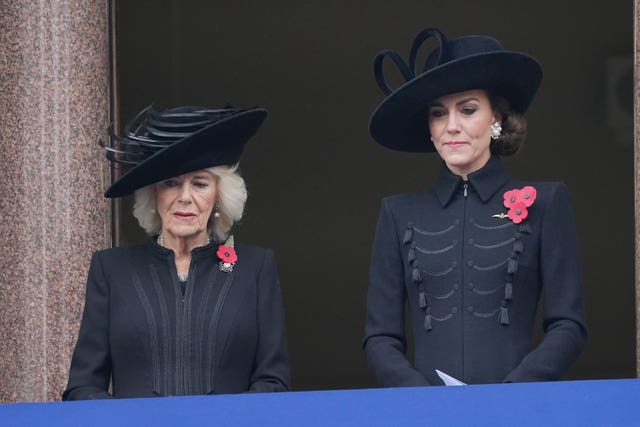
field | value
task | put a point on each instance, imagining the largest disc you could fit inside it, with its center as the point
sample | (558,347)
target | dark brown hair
(514,127)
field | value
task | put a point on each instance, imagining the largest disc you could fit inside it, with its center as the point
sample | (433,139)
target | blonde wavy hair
(230,200)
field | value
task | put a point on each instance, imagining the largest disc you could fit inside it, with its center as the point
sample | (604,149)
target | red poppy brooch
(517,201)
(227,255)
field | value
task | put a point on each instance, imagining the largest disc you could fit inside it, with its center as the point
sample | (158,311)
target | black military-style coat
(225,334)
(472,279)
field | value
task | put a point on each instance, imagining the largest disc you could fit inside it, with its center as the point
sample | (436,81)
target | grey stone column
(54,105)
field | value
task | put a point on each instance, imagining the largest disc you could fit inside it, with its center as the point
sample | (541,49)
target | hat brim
(221,143)
(401,123)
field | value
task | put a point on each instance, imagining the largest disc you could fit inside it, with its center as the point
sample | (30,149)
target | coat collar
(207,250)
(485,181)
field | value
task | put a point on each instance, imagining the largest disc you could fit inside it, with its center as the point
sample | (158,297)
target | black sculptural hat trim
(171,142)
(400,122)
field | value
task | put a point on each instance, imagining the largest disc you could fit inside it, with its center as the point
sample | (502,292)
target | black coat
(472,282)
(226,334)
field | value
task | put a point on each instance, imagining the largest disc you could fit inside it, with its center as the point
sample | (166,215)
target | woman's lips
(184,215)
(455,144)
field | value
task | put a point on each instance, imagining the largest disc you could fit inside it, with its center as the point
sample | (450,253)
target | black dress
(472,279)
(225,334)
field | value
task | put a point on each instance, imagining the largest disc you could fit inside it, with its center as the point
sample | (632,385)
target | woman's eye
(169,183)
(200,184)
(436,113)
(469,110)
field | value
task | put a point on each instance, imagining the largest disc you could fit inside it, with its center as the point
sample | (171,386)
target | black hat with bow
(163,144)
(467,63)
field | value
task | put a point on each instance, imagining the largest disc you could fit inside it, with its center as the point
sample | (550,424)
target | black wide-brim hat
(163,144)
(467,63)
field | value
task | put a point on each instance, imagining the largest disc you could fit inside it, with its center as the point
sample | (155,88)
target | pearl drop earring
(495,130)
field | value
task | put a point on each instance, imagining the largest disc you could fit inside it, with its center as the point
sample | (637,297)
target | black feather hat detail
(157,145)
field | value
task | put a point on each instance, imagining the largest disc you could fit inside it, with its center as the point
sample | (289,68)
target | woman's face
(185,203)
(459,125)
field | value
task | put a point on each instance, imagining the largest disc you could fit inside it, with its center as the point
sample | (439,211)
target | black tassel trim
(408,236)
(508,291)
(416,276)
(411,256)
(504,316)
(517,247)
(427,322)
(524,228)
(422,299)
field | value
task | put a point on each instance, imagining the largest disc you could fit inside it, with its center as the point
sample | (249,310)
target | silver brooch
(226,267)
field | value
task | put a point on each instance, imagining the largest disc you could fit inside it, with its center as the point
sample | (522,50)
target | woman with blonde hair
(188,312)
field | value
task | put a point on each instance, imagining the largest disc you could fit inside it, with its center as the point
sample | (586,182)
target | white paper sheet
(448,379)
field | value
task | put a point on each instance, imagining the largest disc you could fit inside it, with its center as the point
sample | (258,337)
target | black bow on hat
(458,65)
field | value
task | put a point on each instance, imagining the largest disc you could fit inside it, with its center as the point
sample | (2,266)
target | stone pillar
(54,105)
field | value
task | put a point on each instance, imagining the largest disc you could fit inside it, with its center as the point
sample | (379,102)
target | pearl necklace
(182,277)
